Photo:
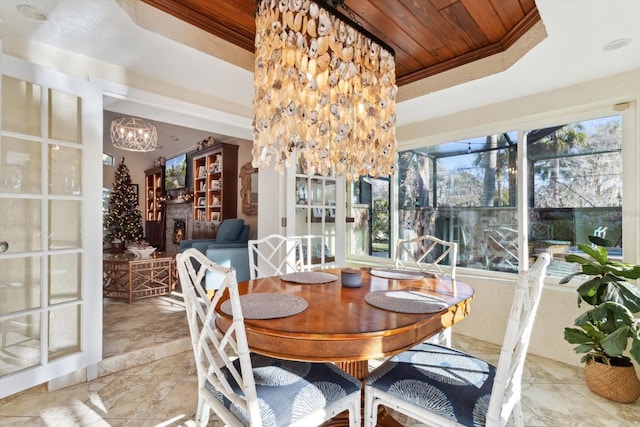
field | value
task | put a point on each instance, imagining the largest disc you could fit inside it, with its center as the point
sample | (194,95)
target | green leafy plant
(604,332)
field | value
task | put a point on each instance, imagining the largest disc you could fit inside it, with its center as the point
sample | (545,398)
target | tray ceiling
(428,37)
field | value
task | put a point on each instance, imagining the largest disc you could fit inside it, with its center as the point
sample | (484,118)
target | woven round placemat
(391,273)
(309,277)
(267,305)
(405,301)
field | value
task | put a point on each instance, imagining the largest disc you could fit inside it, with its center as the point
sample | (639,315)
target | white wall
(490,309)
(136,165)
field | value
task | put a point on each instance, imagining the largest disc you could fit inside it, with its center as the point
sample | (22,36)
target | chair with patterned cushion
(275,255)
(438,385)
(430,255)
(247,389)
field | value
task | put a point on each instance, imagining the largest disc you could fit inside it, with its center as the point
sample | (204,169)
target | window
(107,159)
(576,190)
(463,191)
(467,191)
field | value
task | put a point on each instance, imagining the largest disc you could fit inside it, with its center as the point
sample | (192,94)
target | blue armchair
(237,258)
(232,233)
(228,249)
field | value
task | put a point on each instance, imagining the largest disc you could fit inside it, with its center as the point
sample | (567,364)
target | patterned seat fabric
(448,382)
(288,391)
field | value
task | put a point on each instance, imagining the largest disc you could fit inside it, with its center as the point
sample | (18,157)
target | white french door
(50,225)
(317,205)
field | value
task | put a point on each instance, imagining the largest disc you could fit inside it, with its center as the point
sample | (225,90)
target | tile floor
(153,381)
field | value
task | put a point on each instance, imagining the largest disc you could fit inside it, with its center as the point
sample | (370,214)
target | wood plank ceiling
(428,36)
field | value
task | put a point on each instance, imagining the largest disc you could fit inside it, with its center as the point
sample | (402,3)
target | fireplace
(176,212)
(179,230)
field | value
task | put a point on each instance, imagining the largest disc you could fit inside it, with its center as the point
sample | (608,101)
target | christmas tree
(123,220)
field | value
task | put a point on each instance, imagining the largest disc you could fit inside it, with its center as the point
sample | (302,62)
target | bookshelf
(215,183)
(154,208)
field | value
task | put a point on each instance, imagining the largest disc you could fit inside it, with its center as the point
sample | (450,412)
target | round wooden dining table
(339,326)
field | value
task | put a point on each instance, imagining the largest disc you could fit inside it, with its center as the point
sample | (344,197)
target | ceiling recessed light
(32,12)
(616,44)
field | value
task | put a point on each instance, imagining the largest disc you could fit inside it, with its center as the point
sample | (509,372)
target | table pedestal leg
(360,369)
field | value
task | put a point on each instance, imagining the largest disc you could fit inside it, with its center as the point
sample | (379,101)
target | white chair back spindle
(505,396)
(427,253)
(275,255)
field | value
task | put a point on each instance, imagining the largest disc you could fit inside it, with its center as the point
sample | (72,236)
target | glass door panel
(21,104)
(64,116)
(22,342)
(20,288)
(21,224)
(61,214)
(380,218)
(21,166)
(64,331)
(316,191)
(370,209)
(302,191)
(64,278)
(65,171)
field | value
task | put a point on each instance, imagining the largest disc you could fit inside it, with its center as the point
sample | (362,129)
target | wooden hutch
(215,187)
(154,215)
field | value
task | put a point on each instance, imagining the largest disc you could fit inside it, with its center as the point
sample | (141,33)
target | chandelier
(324,93)
(133,134)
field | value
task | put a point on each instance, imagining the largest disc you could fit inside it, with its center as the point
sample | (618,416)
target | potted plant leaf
(605,332)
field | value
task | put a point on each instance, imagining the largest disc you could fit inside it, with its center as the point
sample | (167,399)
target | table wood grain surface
(339,326)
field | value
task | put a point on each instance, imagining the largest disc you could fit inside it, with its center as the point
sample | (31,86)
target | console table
(128,277)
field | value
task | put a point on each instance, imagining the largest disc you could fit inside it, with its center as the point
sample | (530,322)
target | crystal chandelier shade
(324,93)
(133,134)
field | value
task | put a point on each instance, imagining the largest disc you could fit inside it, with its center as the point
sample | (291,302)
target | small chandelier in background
(133,134)
(324,91)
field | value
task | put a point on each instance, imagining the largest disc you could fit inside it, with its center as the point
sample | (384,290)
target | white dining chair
(442,386)
(275,255)
(501,251)
(248,389)
(426,254)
